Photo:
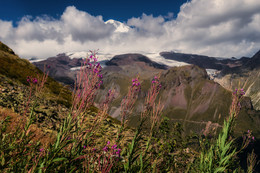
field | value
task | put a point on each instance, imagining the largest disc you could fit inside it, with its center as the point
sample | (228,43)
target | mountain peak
(130,59)
(257,55)
(120,27)
(254,62)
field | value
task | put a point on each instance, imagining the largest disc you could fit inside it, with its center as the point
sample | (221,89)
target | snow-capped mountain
(103,56)
(120,27)
(83,54)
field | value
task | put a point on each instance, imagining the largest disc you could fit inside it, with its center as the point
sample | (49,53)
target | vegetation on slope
(88,141)
(18,69)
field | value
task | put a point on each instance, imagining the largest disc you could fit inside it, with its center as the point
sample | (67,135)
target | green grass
(18,69)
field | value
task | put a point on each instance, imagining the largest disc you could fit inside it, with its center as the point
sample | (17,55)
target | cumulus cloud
(216,28)
(83,27)
(148,25)
(218,24)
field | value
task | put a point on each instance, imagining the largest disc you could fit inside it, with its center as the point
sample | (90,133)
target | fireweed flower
(153,92)
(96,70)
(100,76)
(32,80)
(128,102)
(35,81)
(118,152)
(114,147)
(98,65)
(135,82)
(89,65)
(236,106)
(108,142)
(87,82)
(28,79)
(41,150)
(105,149)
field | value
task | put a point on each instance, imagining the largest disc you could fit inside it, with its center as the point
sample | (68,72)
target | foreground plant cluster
(83,144)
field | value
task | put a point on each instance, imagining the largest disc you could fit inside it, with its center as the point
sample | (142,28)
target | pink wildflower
(114,147)
(105,149)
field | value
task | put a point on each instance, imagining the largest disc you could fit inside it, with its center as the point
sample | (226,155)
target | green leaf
(3,161)
(220,169)
(41,167)
(73,169)
(59,159)
(141,162)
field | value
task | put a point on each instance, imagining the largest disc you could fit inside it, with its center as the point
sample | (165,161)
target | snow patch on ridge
(161,60)
(212,73)
(36,60)
(83,54)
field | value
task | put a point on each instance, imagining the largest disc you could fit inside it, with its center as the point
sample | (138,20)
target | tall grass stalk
(222,154)
(152,112)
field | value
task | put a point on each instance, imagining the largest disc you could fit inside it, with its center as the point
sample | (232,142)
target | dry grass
(18,121)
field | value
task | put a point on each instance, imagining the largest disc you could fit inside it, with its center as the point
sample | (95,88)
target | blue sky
(120,10)
(220,28)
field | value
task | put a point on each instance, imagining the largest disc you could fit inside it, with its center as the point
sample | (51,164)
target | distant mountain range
(219,69)
(188,93)
(205,61)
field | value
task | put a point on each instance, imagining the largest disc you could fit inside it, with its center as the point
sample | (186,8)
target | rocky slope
(246,76)
(188,95)
(230,73)
(197,101)
(51,105)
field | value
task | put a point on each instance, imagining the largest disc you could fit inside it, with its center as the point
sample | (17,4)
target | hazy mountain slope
(205,61)
(187,94)
(190,97)
(232,73)
(60,68)
(246,76)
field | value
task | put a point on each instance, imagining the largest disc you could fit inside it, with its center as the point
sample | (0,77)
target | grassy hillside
(18,69)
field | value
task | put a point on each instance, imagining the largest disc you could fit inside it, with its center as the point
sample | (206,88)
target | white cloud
(219,27)
(83,27)
(6,29)
(148,25)
(215,28)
